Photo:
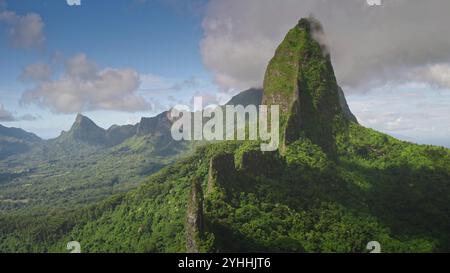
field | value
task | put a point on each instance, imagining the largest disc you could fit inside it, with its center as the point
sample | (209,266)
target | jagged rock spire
(300,78)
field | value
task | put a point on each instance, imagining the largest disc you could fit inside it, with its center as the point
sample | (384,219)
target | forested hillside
(333,186)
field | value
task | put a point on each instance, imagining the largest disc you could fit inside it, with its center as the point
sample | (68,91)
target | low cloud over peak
(370,45)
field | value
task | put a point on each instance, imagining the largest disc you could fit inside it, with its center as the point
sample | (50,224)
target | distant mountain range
(64,164)
(15,140)
(86,131)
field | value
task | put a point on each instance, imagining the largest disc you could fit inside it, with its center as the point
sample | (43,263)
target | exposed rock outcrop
(300,78)
(343,102)
(222,171)
(258,163)
(85,130)
(158,125)
(194,221)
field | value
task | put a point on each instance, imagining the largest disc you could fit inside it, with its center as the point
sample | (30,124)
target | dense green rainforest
(332,186)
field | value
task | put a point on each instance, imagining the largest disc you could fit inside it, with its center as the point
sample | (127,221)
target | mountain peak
(310,24)
(157,125)
(85,130)
(80,117)
(251,96)
(300,78)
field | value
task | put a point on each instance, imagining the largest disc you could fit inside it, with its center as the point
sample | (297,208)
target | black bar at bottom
(248,262)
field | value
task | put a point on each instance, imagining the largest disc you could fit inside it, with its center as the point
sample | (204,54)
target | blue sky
(158,40)
(152,38)
(116,61)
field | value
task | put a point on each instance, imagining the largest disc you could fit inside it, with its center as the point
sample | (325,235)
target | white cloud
(29,117)
(374,2)
(436,74)
(73,2)
(207,99)
(25,31)
(85,87)
(36,72)
(369,45)
(165,93)
(80,67)
(156,84)
(7,116)
(411,112)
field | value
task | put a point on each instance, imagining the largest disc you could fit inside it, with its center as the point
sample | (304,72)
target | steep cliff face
(258,163)
(221,171)
(158,125)
(194,221)
(345,108)
(300,78)
(85,130)
(117,134)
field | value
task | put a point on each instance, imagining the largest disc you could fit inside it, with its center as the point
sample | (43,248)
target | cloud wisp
(36,72)
(84,86)
(73,2)
(411,112)
(7,116)
(24,31)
